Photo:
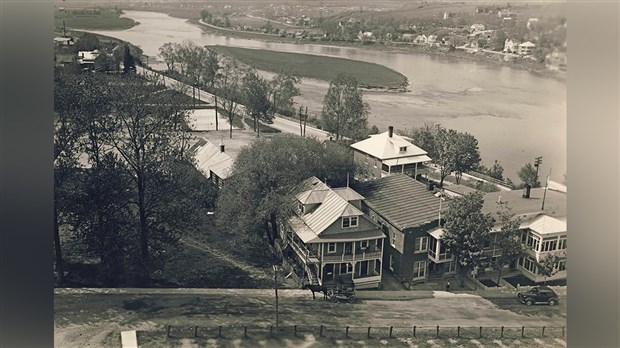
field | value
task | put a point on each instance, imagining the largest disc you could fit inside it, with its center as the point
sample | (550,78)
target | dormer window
(300,208)
(403,149)
(349,221)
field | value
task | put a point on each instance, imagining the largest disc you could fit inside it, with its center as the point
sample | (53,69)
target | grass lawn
(368,75)
(99,19)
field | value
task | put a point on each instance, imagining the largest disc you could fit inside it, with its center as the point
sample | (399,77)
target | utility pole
(545,194)
(275,277)
(537,163)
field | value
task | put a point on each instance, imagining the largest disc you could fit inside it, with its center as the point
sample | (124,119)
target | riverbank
(520,63)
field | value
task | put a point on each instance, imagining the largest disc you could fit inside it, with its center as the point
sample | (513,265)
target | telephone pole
(275,278)
(537,163)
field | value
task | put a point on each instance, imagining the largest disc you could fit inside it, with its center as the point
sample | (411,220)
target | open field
(92,19)
(368,75)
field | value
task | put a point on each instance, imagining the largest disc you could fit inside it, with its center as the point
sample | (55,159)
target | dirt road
(95,317)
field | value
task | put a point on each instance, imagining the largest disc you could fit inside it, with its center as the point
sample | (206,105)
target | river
(516,115)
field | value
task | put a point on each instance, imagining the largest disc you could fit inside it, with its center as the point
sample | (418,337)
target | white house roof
(209,158)
(88,55)
(384,147)
(544,224)
(528,44)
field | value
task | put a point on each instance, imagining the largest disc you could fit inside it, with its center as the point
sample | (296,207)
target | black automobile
(539,294)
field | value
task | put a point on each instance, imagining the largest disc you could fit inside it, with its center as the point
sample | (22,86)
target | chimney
(390,131)
(221,147)
(526,191)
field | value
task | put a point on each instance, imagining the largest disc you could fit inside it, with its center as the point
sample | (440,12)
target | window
(391,263)
(533,242)
(562,244)
(523,237)
(364,244)
(421,244)
(349,221)
(393,239)
(451,266)
(549,245)
(562,266)
(331,247)
(419,269)
(403,149)
(346,268)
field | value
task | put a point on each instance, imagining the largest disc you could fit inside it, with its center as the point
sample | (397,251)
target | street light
(275,278)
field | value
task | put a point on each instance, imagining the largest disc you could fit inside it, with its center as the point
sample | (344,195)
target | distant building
(526,48)
(556,61)
(476,27)
(88,57)
(531,23)
(367,35)
(432,39)
(63,41)
(511,46)
(421,40)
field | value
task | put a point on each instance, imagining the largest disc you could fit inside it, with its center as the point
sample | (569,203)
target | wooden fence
(365,332)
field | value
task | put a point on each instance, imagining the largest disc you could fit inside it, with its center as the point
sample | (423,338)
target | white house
(387,153)
(511,46)
(421,39)
(526,48)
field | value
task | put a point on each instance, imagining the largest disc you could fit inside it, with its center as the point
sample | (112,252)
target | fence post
(414,330)
(346,333)
(321,332)
(168,331)
(369,332)
(391,327)
(437,331)
(458,332)
(270,330)
(195,331)
(295,329)
(522,331)
(563,331)
(481,332)
(543,331)
(501,335)
(219,332)
(245,331)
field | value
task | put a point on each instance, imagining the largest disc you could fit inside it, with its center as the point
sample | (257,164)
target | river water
(516,115)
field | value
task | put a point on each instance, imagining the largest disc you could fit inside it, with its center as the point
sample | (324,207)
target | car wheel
(529,302)
(553,302)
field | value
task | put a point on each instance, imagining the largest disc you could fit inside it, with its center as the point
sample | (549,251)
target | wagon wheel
(334,298)
(351,299)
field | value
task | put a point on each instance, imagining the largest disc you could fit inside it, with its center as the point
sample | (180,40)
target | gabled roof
(348,194)
(209,158)
(528,44)
(401,200)
(332,206)
(383,146)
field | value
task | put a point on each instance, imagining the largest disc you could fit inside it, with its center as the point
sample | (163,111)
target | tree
(466,231)
(87,42)
(344,113)
(508,239)
(373,130)
(206,16)
(466,154)
(256,99)
(229,87)
(548,266)
(282,92)
(150,137)
(528,175)
(104,63)
(500,40)
(129,65)
(496,171)
(258,192)
(168,53)
(210,75)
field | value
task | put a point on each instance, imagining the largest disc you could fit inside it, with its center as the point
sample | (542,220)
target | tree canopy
(258,191)
(466,231)
(344,113)
(528,175)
